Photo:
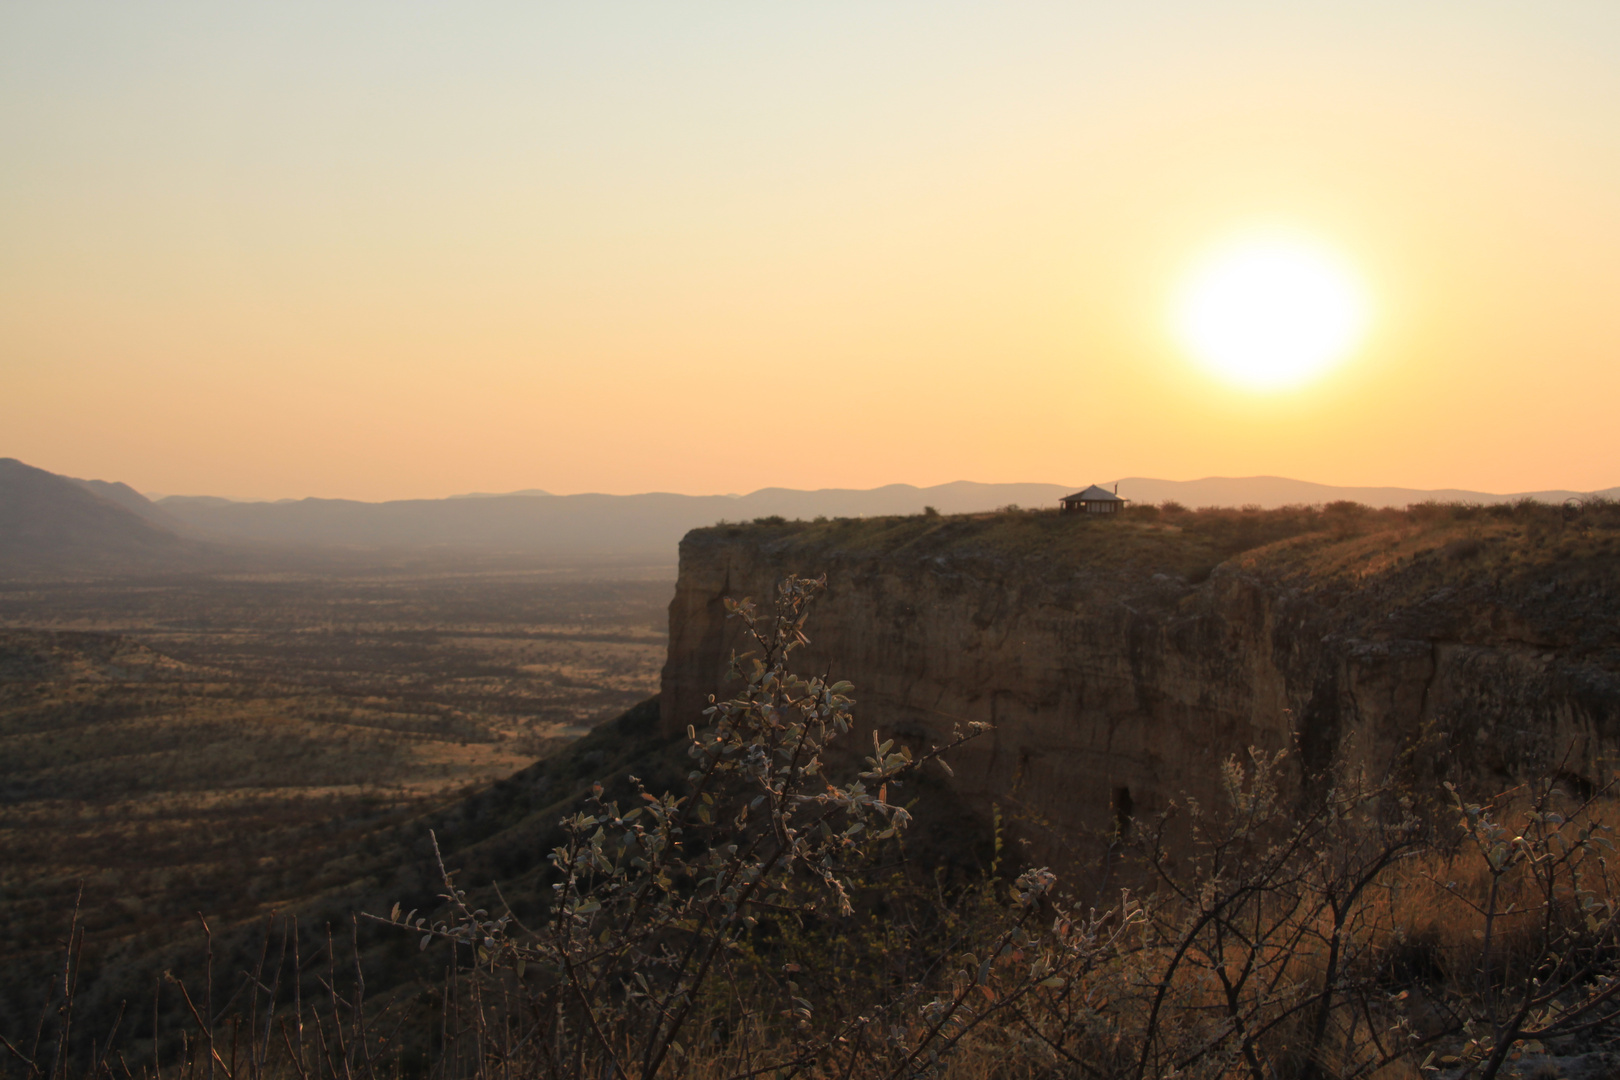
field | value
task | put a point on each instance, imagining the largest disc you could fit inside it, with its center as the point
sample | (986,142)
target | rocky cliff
(1120,661)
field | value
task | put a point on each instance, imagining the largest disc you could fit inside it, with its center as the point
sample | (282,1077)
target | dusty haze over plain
(396,250)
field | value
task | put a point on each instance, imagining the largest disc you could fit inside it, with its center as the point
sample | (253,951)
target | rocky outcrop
(1116,684)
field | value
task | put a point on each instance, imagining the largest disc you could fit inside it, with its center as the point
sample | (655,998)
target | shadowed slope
(49,522)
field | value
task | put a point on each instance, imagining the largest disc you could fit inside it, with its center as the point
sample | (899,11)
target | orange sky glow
(387,250)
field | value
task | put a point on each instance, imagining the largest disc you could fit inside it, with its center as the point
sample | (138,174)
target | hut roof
(1092,494)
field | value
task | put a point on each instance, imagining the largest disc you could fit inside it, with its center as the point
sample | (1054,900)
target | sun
(1271,312)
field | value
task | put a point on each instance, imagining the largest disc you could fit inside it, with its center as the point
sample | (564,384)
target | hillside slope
(50,522)
(116,491)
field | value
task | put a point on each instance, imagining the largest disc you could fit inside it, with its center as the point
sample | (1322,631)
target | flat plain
(175,745)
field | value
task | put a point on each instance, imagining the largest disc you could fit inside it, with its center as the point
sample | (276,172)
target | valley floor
(226,744)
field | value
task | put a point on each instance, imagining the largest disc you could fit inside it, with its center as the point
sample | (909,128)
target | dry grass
(1339,539)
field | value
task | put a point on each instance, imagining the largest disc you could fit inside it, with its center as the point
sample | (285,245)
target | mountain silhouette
(51,522)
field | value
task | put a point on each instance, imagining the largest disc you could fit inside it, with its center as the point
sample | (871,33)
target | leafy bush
(656,903)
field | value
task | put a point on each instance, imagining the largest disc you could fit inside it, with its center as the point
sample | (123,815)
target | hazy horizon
(381,251)
(538,492)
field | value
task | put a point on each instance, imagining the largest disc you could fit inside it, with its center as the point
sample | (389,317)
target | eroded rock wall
(1113,692)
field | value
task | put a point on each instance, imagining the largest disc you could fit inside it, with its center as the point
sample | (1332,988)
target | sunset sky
(406,249)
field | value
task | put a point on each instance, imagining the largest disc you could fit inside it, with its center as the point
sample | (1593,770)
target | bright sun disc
(1271,313)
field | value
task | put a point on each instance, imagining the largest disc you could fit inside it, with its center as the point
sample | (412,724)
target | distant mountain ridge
(1271,492)
(648,525)
(651,524)
(48,520)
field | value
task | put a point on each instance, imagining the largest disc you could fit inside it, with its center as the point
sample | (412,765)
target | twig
(208,1001)
(213,1055)
(295,1057)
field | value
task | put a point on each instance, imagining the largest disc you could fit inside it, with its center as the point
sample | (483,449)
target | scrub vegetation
(1189,543)
(232,746)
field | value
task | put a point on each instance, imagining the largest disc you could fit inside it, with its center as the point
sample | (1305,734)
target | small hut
(1093,500)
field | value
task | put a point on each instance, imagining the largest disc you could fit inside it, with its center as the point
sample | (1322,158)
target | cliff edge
(1121,660)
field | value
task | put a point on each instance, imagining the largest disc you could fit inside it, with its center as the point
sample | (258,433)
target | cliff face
(1119,669)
